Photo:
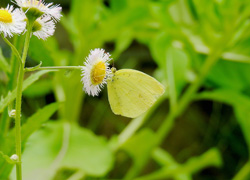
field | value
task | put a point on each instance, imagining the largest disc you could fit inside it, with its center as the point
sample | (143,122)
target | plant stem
(13,48)
(5,120)
(19,102)
(54,67)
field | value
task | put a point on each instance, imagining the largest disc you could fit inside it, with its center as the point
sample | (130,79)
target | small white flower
(44,27)
(39,8)
(96,71)
(12,21)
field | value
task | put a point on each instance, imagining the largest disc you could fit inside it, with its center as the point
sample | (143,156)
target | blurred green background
(168,39)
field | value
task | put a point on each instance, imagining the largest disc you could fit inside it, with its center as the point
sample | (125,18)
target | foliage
(171,39)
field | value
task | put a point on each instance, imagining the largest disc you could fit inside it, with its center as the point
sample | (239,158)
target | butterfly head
(113,70)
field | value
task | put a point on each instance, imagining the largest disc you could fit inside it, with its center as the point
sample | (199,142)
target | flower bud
(12,113)
(14,157)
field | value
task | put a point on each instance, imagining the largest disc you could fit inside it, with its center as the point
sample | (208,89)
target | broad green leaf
(3,63)
(12,95)
(88,152)
(33,123)
(69,146)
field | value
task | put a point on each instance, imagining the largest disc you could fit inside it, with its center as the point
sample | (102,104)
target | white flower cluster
(44,16)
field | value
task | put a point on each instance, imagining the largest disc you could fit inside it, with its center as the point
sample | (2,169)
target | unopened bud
(14,157)
(12,113)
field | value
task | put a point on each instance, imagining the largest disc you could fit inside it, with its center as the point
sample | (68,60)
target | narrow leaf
(211,158)
(12,95)
(3,63)
(6,158)
(32,124)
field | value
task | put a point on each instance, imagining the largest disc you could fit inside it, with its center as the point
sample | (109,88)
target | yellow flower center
(98,73)
(5,16)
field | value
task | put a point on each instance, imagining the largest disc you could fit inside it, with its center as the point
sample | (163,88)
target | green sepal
(32,13)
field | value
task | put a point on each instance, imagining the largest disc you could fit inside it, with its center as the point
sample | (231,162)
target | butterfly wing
(132,92)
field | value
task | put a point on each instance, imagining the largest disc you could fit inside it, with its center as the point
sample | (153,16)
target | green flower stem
(54,67)
(19,102)
(13,48)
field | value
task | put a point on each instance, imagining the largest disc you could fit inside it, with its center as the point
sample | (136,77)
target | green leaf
(232,75)
(138,147)
(174,61)
(36,120)
(6,158)
(210,158)
(73,147)
(39,88)
(33,123)
(177,68)
(123,41)
(39,52)
(3,63)
(118,6)
(12,95)
(88,152)
(145,139)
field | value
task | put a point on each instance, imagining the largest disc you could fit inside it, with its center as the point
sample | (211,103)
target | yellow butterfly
(132,92)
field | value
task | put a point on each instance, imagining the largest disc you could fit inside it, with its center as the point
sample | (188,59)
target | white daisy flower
(43,27)
(12,21)
(96,71)
(37,8)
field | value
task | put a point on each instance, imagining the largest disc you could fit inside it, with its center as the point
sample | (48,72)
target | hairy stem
(19,103)
(54,67)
